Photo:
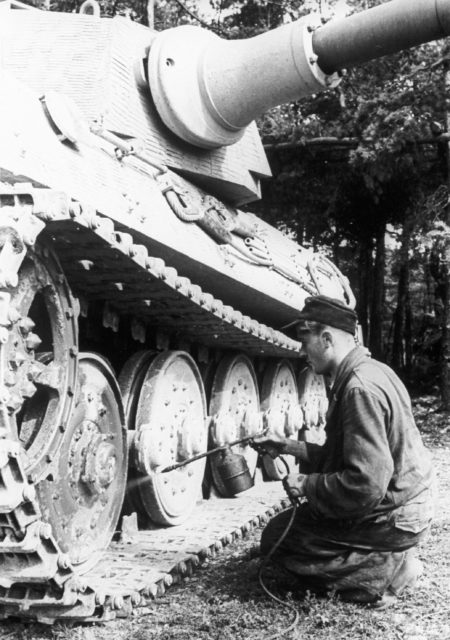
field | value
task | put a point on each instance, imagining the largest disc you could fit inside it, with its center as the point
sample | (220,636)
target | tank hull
(127,192)
(110,252)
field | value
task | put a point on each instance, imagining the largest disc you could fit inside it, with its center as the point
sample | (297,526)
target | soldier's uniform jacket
(373,463)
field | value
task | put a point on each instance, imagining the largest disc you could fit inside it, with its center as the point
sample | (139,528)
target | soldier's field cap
(329,311)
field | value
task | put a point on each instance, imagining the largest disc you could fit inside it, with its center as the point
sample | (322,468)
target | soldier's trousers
(339,555)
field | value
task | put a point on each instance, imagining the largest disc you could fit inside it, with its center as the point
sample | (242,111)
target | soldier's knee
(267,539)
(273,531)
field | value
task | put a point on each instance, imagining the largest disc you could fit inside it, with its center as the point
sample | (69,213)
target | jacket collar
(352,360)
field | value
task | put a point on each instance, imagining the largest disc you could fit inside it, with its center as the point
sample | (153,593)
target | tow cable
(265,562)
(236,477)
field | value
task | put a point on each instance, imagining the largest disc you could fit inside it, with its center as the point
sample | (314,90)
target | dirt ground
(224,601)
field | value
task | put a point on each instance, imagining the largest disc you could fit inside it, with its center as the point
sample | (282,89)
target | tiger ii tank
(141,309)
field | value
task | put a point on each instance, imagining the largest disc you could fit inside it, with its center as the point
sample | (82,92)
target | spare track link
(36,578)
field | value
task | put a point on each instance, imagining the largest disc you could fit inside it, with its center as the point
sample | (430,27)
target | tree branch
(346,143)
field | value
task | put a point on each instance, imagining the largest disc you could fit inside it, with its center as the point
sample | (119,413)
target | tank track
(37,582)
(135,283)
(36,578)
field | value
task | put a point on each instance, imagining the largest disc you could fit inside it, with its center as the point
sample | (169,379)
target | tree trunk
(398,347)
(408,332)
(365,270)
(151,13)
(445,353)
(377,306)
(401,350)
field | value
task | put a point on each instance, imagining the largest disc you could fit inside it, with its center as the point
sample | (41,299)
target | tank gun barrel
(382,30)
(207,90)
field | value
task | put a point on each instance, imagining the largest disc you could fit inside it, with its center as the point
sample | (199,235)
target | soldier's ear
(327,338)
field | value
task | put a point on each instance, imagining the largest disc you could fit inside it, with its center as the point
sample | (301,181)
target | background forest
(361,172)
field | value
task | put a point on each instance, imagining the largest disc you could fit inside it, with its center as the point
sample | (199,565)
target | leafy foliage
(388,115)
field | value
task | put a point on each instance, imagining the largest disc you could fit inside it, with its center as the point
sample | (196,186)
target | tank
(142,312)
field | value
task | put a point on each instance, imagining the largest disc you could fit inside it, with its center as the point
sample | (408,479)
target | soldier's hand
(293,484)
(271,443)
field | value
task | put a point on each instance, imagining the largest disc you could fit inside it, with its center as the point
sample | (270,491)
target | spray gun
(232,467)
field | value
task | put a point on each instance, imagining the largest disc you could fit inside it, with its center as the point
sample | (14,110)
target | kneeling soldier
(369,497)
